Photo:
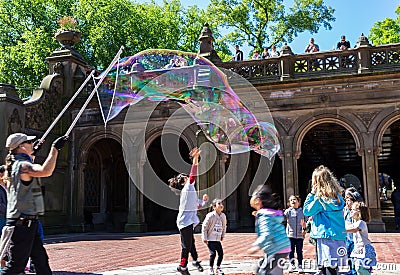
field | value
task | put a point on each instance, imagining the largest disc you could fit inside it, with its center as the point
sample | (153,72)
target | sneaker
(211,272)
(183,270)
(32,269)
(291,268)
(300,269)
(198,265)
(319,272)
(219,271)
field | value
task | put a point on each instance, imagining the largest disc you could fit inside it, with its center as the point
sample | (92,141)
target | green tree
(262,23)
(386,31)
(27,30)
(26,38)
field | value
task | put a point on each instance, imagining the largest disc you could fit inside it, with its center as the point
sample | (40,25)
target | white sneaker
(219,271)
(300,269)
(291,268)
(211,272)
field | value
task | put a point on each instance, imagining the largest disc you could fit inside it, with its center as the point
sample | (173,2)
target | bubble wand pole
(66,106)
(116,58)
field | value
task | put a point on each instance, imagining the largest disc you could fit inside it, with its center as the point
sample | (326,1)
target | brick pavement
(128,253)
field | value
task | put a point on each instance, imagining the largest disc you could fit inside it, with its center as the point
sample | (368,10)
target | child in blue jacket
(271,235)
(326,205)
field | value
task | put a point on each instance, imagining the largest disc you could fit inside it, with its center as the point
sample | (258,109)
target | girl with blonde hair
(326,205)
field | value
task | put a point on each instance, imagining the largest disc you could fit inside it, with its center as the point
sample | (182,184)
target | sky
(353,17)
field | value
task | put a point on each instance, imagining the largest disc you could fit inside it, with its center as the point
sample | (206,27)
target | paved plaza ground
(159,253)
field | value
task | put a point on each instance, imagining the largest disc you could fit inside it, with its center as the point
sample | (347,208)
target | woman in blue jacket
(326,205)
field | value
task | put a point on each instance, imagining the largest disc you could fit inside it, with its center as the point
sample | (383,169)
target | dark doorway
(157,217)
(106,187)
(260,171)
(388,171)
(331,145)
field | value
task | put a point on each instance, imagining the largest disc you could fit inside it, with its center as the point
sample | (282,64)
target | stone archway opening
(388,171)
(237,204)
(105,187)
(157,217)
(332,145)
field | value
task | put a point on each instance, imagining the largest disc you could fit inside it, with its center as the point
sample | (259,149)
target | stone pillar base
(376,227)
(136,227)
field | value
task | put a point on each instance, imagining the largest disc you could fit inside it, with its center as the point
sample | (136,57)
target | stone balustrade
(288,66)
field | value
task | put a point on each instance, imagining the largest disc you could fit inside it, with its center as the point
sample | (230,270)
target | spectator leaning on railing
(256,55)
(312,47)
(343,44)
(274,52)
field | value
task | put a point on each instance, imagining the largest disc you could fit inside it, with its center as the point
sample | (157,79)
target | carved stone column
(289,167)
(231,205)
(369,156)
(136,220)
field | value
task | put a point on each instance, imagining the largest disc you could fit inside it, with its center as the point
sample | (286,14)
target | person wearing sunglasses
(25,202)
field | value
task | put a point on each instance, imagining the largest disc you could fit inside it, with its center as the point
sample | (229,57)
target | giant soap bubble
(201,88)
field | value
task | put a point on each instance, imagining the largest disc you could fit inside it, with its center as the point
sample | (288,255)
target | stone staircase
(387,209)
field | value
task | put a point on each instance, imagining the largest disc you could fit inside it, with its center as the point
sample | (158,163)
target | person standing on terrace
(343,44)
(238,54)
(312,47)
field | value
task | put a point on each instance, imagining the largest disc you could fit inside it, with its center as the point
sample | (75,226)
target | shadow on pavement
(73,273)
(96,236)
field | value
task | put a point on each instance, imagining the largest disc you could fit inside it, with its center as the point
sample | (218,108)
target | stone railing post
(12,115)
(286,62)
(364,54)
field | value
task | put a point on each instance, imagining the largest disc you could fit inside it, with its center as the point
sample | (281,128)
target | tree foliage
(26,39)
(386,31)
(27,28)
(262,23)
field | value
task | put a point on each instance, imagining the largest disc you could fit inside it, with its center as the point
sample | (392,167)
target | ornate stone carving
(58,68)
(286,122)
(14,122)
(40,115)
(366,117)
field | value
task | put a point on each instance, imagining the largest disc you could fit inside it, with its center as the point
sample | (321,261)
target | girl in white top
(213,232)
(187,217)
(363,253)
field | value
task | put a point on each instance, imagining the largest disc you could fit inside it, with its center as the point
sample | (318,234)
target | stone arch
(308,123)
(383,122)
(154,164)
(152,134)
(387,151)
(92,138)
(303,169)
(103,182)
(282,132)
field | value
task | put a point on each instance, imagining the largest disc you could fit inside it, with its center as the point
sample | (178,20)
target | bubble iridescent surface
(199,87)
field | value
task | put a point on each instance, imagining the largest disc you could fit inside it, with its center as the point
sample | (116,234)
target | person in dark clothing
(238,54)
(343,44)
(25,202)
(396,202)
(3,203)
